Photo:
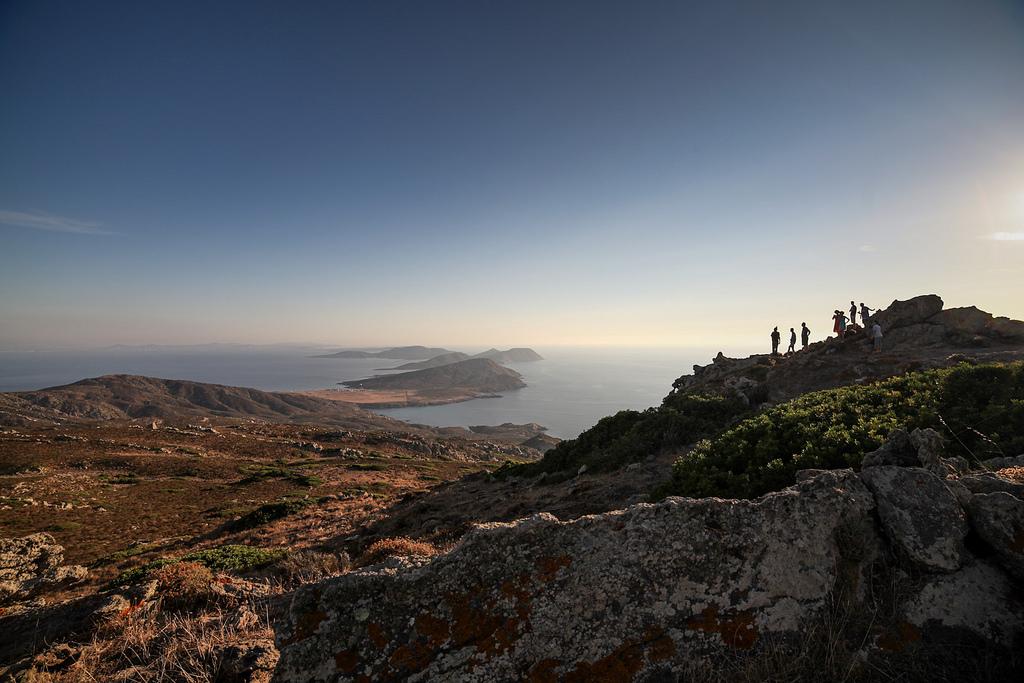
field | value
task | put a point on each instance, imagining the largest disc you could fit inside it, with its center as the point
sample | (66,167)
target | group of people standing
(841,325)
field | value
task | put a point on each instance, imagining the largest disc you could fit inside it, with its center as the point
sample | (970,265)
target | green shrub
(630,436)
(260,472)
(981,409)
(269,512)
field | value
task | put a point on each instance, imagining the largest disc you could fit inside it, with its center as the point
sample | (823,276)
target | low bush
(184,585)
(256,473)
(269,512)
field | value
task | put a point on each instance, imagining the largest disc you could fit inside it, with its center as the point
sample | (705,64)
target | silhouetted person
(876,337)
(776,337)
(836,327)
(792,341)
(865,313)
(853,313)
(805,334)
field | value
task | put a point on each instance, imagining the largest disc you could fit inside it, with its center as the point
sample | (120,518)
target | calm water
(567,392)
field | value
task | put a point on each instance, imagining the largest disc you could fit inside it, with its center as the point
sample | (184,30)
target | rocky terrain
(888,567)
(919,334)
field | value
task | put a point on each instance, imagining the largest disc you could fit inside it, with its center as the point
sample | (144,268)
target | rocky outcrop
(919,334)
(640,590)
(656,590)
(30,563)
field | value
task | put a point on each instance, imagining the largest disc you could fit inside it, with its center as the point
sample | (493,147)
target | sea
(567,392)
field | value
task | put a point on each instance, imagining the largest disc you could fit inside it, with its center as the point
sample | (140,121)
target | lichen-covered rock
(999,519)
(990,482)
(920,448)
(978,600)
(616,596)
(249,662)
(920,515)
(30,562)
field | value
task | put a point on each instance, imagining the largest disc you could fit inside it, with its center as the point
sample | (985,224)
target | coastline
(397,398)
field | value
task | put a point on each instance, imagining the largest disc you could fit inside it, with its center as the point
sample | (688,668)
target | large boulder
(640,592)
(910,312)
(31,562)
(977,601)
(920,448)
(998,518)
(920,515)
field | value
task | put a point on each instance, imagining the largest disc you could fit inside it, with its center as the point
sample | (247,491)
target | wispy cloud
(43,221)
(867,248)
(1006,236)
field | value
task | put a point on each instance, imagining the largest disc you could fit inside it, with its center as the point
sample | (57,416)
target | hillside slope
(435,362)
(516,355)
(133,396)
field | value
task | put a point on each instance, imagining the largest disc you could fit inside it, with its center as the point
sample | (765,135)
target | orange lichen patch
(737,630)
(543,671)
(549,566)
(346,661)
(433,629)
(621,664)
(516,590)
(476,620)
(660,646)
(376,633)
(306,625)
(412,657)
(896,639)
(1017,545)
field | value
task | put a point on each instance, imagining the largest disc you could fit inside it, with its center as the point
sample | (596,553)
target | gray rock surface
(920,448)
(978,600)
(643,590)
(999,519)
(32,562)
(920,515)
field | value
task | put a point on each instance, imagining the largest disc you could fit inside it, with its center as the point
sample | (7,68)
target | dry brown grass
(162,646)
(394,547)
(307,566)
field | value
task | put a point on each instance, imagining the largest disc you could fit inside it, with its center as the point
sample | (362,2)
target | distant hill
(474,374)
(519,355)
(133,396)
(435,362)
(397,353)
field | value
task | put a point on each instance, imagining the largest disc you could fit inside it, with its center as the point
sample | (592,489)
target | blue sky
(501,173)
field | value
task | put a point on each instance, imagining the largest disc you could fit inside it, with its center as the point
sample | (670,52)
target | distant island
(518,355)
(451,383)
(397,353)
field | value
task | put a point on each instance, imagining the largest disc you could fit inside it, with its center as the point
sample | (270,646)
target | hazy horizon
(659,174)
